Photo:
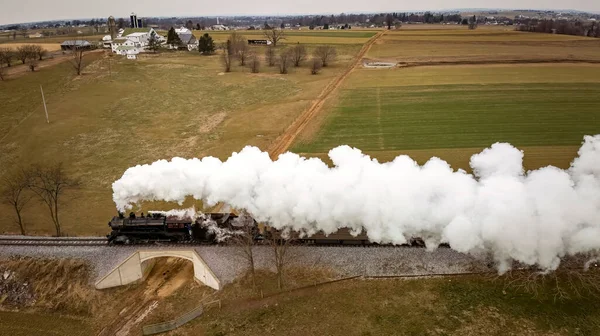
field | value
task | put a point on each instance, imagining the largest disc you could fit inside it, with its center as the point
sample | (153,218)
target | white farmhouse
(134,39)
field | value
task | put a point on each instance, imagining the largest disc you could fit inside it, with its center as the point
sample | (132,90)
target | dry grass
(457,306)
(47,46)
(174,104)
(493,45)
(336,37)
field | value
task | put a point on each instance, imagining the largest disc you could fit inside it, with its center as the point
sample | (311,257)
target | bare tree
(2,72)
(473,22)
(327,54)
(243,237)
(255,64)
(274,35)
(24,52)
(227,56)
(243,53)
(284,62)
(15,194)
(23,32)
(38,51)
(50,183)
(279,242)
(316,66)
(270,56)
(239,47)
(32,63)
(389,21)
(42,53)
(6,56)
(236,41)
(77,59)
(298,54)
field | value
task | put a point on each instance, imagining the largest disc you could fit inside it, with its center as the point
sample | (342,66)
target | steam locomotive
(159,227)
(213,228)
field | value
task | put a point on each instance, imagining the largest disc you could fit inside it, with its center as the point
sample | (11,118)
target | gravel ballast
(228,263)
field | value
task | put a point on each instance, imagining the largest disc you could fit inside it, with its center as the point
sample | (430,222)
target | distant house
(37,35)
(187,38)
(128,51)
(75,44)
(219,27)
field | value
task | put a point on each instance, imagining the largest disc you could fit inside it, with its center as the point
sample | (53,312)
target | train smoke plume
(534,218)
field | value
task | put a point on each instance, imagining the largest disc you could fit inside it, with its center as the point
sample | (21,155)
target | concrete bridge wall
(137,267)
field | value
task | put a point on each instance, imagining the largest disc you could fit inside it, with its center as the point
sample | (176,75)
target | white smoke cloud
(534,218)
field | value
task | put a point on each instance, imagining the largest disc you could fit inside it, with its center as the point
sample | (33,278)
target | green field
(448,116)
(458,91)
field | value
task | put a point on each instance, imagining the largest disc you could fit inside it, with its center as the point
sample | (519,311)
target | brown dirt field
(47,46)
(535,156)
(283,142)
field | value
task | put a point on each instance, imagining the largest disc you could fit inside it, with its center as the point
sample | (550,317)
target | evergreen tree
(206,45)
(153,42)
(172,38)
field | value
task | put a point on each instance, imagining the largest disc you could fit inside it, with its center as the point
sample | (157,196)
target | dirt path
(168,275)
(21,69)
(284,141)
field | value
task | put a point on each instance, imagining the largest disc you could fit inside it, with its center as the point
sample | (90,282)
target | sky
(39,10)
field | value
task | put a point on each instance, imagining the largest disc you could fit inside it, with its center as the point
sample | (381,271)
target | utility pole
(45,108)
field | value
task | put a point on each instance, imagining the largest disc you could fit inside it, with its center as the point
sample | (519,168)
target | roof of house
(75,43)
(120,40)
(128,31)
(137,34)
(187,37)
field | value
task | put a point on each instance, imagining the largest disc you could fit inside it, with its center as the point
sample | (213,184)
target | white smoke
(534,218)
(189,213)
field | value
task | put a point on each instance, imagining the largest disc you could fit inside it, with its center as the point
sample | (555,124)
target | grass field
(492,44)
(455,110)
(26,324)
(160,106)
(457,306)
(300,36)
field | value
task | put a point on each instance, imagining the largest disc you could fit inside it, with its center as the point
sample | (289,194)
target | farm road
(284,141)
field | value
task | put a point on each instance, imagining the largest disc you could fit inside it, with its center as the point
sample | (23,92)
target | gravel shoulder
(228,263)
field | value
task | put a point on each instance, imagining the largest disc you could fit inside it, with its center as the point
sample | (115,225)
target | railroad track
(53,241)
(101,241)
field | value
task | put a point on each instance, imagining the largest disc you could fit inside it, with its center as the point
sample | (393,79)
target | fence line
(173,324)
(196,312)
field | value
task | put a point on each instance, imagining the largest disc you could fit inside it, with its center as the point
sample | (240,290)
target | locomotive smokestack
(535,217)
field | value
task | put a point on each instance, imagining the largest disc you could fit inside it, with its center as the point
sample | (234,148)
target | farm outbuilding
(75,44)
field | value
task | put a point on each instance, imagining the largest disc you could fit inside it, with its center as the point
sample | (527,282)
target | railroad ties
(53,241)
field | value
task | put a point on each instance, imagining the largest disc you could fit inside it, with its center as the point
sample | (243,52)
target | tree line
(237,48)
(578,28)
(29,54)
(47,183)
